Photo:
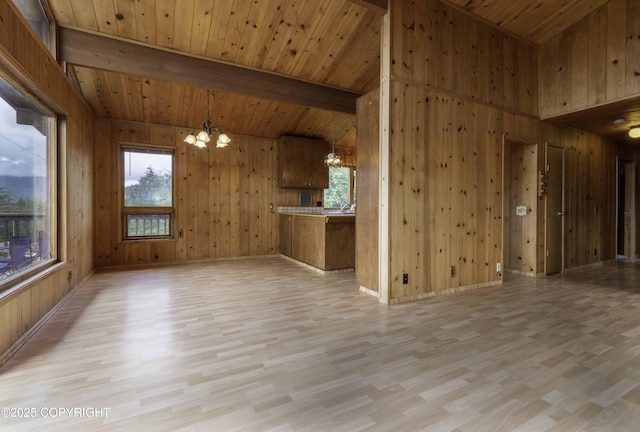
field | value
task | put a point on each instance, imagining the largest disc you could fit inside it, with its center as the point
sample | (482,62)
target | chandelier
(333,160)
(204,136)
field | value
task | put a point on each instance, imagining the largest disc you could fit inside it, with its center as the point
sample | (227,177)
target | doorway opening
(625,221)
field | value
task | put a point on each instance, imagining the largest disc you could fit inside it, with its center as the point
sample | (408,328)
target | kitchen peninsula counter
(325,240)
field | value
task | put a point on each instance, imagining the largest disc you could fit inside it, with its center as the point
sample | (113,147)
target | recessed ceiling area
(602,120)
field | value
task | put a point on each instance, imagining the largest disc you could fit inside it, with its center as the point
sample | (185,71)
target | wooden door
(626,205)
(554,241)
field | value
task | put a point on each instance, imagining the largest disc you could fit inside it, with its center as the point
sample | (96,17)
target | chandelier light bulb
(634,132)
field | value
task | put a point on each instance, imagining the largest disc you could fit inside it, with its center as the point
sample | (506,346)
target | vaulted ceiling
(302,62)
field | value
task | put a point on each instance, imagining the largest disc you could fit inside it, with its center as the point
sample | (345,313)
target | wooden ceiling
(333,44)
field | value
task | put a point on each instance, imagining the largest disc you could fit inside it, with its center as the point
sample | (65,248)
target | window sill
(21,282)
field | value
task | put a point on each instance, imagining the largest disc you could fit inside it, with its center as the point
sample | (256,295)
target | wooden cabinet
(301,163)
(285,234)
(325,242)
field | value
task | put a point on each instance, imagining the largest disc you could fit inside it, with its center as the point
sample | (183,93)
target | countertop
(330,214)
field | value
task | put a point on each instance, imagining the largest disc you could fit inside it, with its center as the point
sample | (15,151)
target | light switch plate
(521,210)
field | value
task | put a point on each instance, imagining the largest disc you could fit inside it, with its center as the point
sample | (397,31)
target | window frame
(126,211)
(55,204)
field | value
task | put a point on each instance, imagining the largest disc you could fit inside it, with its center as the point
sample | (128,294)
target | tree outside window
(339,191)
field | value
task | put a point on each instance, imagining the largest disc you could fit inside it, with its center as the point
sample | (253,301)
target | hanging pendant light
(333,160)
(204,136)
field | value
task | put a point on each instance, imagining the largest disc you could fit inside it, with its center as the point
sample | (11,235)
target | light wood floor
(266,345)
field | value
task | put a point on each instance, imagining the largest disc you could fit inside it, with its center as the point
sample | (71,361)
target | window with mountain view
(148,192)
(26,184)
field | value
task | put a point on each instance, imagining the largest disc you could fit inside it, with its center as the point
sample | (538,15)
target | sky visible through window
(23,149)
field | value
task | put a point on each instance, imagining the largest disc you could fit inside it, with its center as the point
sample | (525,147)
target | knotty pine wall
(25,60)
(520,188)
(456,89)
(226,199)
(594,61)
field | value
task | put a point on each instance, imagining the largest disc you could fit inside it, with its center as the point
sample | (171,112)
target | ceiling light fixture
(634,132)
(333,160)
(204,136)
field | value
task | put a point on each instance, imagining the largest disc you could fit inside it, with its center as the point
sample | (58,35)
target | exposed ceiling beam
(375,5)
(95,51)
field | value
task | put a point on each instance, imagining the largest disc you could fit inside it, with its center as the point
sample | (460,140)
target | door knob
(562,213)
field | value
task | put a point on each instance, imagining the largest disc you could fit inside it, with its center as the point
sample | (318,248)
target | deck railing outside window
(21,225)
(148,225)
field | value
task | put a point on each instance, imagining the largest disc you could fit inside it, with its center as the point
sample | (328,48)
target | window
(148,192)
(340,189)
(33,12)
(27,185)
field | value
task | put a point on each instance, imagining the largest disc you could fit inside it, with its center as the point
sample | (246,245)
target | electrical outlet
(498,267)
(452,271)
(405,278)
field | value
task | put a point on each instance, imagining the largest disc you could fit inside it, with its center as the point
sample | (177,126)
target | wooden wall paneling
(218,205)
(418,203)
(193,178)
(470,174)
(235,158)
(257,202)
(367,190)
(511,73)
(596,65)
(481,72)
(181,193)
(483,152)
(609,57)
(563,74)
(571,196)
(633,48)
(616,40)
(444,192)
(529,93)
(246,209)
(496,68)
(546,76)
(202,233)
(597,165)
(444,58)
(103,209)
(579,70)
(400,241)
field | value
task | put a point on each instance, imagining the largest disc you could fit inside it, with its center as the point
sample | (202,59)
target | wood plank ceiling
(334,43)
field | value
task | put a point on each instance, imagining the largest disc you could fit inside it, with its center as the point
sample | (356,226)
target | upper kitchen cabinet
(301,163)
